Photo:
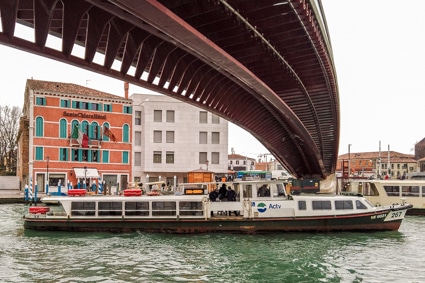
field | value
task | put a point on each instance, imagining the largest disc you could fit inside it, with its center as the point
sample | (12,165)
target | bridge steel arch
(264,65)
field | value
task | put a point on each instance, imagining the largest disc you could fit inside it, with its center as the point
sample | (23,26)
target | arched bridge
(265,65)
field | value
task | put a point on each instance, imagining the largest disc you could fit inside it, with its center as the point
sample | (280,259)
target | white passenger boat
(386,192)
(259,207)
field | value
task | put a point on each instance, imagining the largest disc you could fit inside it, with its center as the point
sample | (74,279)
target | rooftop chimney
(126,90)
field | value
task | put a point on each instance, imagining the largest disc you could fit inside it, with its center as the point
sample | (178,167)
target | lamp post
(85,175)
(207,162)
(47,174)
(349,160)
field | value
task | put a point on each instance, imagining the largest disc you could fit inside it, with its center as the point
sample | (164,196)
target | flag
(109,134)
(81,137)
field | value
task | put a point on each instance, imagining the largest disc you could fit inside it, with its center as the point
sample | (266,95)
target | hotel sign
(84,115)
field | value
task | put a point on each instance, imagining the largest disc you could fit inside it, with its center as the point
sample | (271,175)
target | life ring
(39,209)
(132,192)
(76,192)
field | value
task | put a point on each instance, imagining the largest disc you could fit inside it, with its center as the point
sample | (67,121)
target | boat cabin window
(423,191)
(138,208)
(360,205)
(164,208)
(280,190)
(83,208)
(343,204)
(190,208)
(370,190)
(302,205)
(247,191)
(263,191)
(411,191)
(392,190)
(321,204)
(110,208)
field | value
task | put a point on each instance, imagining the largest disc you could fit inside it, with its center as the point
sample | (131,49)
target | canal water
(32,256)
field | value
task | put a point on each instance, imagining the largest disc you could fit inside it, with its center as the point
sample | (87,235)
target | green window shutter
(63,129)
(105,156)
(125,157)
(39,153)
(39,123)
(125,133)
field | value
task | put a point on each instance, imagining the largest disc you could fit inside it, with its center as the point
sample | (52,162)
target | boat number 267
(396,214)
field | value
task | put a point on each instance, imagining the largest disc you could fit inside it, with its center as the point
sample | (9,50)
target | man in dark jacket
(222,192)
(231,196)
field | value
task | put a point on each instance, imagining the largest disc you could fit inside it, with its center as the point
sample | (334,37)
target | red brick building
(67,135)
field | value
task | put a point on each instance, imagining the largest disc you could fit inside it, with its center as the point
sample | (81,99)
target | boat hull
(367,222)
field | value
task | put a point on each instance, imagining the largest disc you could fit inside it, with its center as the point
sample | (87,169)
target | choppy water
(32,256)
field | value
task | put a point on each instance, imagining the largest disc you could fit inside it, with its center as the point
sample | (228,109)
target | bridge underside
(264,65)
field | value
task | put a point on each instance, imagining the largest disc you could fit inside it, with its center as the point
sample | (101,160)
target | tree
(9,127)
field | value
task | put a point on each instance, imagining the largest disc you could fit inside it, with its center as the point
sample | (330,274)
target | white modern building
(172,138)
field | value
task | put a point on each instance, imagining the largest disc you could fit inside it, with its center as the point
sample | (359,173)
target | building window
(157,115)
(63,127)
(137,159)
(215,138)
(215,119)
(169,136)
(39,124)
(76,155)
(169,157)
(125,157)
(137,118)
(138,138)
(170,116)
(105,137)
(157,157)
(107,107)
(157,136)
(39,153)
(127,110)
(203,158)
(96,106)
(65,103)
(105,156)
(85,105)
(95,155)
(63,154)
(215,158)
(125,133)
(203,117)
(203,137)
(94,132)
(85,127)
(40,101)
(75,104)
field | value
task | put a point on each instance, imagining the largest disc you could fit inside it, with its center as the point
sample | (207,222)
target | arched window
(105,137)
(85,127)
(73,128)
(94,132)
(63,133)
(125,133)
(39,124)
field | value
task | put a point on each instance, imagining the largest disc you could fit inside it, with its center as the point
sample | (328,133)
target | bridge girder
(265,66)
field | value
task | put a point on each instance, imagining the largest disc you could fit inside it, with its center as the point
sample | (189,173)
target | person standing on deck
(231,196)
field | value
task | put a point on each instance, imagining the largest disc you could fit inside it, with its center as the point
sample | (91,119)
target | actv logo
(262,207)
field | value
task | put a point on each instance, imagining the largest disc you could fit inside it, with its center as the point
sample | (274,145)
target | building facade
(71,134)
(393,164)
(172,138)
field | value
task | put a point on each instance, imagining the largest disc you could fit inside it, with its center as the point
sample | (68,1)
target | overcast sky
(378,48)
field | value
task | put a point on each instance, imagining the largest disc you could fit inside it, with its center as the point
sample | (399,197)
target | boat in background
(257,207)
(387,192)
